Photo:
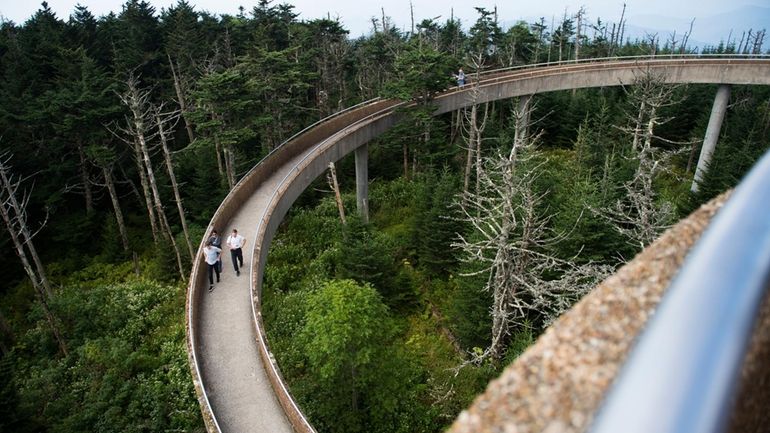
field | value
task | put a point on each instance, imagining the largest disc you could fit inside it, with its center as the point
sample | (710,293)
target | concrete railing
(682,375)
(511,83)
(295,182)
(338,135)
(229,206)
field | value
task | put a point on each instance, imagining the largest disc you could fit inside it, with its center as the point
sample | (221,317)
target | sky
(356,14)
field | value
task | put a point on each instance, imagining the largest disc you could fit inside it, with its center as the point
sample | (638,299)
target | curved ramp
(239,386)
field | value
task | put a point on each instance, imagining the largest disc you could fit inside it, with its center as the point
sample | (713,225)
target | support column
(362,181)
(712,133)
(523,111)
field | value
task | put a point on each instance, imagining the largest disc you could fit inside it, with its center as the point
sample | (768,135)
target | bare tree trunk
(138,103)
(20,212)
(477,135)
(165,227)
(332,178)
(230,166)
(116,207)
(171,238)
(649,133)
(621,27)
(411,14)
(131,185)
(640,215)
(638,127)
(220,163)
(507,229)
(561,35)
(693,151)
(84,178)
(686,37)
(146,193)
(17,225)
(471,145)
(477,149)
(580,14)
(174,185)
(181,97)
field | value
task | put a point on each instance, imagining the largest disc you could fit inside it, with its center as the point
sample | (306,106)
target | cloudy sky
(356,14)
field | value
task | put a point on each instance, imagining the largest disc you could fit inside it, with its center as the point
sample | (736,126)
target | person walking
(216,241)
(212,256)
(460,76)
(236,242)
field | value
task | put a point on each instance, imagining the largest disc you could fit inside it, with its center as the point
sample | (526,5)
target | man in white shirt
(236,242)
(211,255)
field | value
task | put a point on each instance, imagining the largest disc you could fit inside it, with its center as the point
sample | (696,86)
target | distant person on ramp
(212,256)
(460,76)
(236,242)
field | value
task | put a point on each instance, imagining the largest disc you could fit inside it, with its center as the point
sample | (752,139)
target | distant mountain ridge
(706,30)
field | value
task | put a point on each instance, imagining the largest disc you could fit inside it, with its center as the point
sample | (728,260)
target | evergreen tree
(485,38)
(365,258)
(281,91)
(138,42)
(436,228)
(361,375)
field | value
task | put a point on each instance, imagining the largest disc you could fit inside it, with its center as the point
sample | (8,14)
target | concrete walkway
(231,369)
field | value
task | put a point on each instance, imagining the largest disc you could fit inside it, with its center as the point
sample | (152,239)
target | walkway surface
(238,388)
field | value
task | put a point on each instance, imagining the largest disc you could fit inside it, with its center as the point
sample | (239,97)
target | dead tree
(332,179)
(103,158)
(639,215)
(473,126)
(649,94)
(85,178)
(17,224)
(110,184)
(165,123)
(509,246)
(580,13)
(138,133)
(133,134)
(616,37)
(13,211)
(179,88)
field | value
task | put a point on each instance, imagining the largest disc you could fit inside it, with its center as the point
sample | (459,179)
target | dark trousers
(213,268)
(237,256)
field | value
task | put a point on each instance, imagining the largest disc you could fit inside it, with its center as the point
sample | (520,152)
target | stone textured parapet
(557,385)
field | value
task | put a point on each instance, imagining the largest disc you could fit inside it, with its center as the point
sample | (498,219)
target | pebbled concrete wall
(557,384)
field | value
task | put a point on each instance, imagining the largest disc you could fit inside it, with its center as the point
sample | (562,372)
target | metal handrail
(681,376)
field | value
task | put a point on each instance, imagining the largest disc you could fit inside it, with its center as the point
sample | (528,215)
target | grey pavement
(232,372)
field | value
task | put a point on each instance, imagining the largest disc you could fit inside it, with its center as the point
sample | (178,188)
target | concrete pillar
(712,133)
(523,111)
(362,181)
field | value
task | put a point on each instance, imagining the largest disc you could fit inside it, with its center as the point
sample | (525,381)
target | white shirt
(212,254)
(235,242)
